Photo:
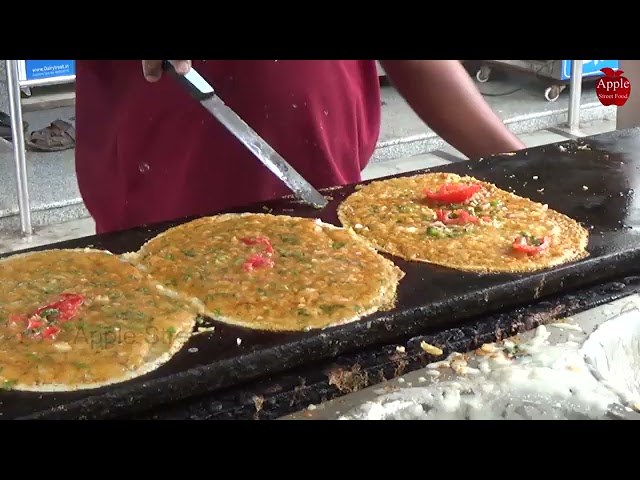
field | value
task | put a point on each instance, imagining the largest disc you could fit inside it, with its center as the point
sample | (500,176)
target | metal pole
(628,116)
(15,110)
(575,94)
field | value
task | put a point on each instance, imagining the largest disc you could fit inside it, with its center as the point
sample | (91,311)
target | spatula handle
(196,85)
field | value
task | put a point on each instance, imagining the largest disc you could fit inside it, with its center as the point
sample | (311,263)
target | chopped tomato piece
(255,261)
(34,323)
(453,192)
(64,308)
(457,217)
(531,245)
(72,299)
(40,323)
(264,241)
(50,332)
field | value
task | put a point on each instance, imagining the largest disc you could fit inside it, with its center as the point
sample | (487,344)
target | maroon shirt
(147,153)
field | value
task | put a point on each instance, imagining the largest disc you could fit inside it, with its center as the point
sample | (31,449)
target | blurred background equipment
(555,73)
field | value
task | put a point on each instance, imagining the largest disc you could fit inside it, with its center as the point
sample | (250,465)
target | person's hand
(152,69)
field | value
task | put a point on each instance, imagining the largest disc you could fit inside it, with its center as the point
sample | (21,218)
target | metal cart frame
(628,115)
(15,111)
(552,71)
(548,70)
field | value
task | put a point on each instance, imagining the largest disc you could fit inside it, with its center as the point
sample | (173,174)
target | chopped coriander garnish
(49,311)
(330,309)
(290,239)
(531,240)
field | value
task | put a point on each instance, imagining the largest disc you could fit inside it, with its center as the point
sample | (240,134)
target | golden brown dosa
(320,276)
(122,329)
(396,217)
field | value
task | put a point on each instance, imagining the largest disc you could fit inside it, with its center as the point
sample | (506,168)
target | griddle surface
(592,181)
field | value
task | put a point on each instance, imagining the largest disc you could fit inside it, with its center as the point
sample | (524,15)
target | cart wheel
(552,93)
(483,74)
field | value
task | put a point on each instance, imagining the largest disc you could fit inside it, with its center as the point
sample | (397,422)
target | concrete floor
(405,144)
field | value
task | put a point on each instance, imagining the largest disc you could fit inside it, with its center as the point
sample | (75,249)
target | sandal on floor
(58,136)
(5,126)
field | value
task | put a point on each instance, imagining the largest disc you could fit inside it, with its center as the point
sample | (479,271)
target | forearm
(444,96)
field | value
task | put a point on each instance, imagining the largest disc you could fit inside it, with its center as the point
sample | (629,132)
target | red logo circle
(613,88)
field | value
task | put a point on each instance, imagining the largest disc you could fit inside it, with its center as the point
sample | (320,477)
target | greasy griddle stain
(395,216)
(321,276)
(123,328)
(349,381)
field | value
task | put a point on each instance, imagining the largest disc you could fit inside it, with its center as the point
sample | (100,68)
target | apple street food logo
(108,337)
(613,88)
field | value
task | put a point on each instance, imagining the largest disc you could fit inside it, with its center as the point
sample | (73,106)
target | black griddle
(592,180)
(296,389)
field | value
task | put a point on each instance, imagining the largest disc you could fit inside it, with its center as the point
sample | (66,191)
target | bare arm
(444,96)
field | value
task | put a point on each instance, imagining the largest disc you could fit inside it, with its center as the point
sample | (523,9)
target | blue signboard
(589,67)
(42,69)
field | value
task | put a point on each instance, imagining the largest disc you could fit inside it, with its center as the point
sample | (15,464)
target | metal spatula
(199,88)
